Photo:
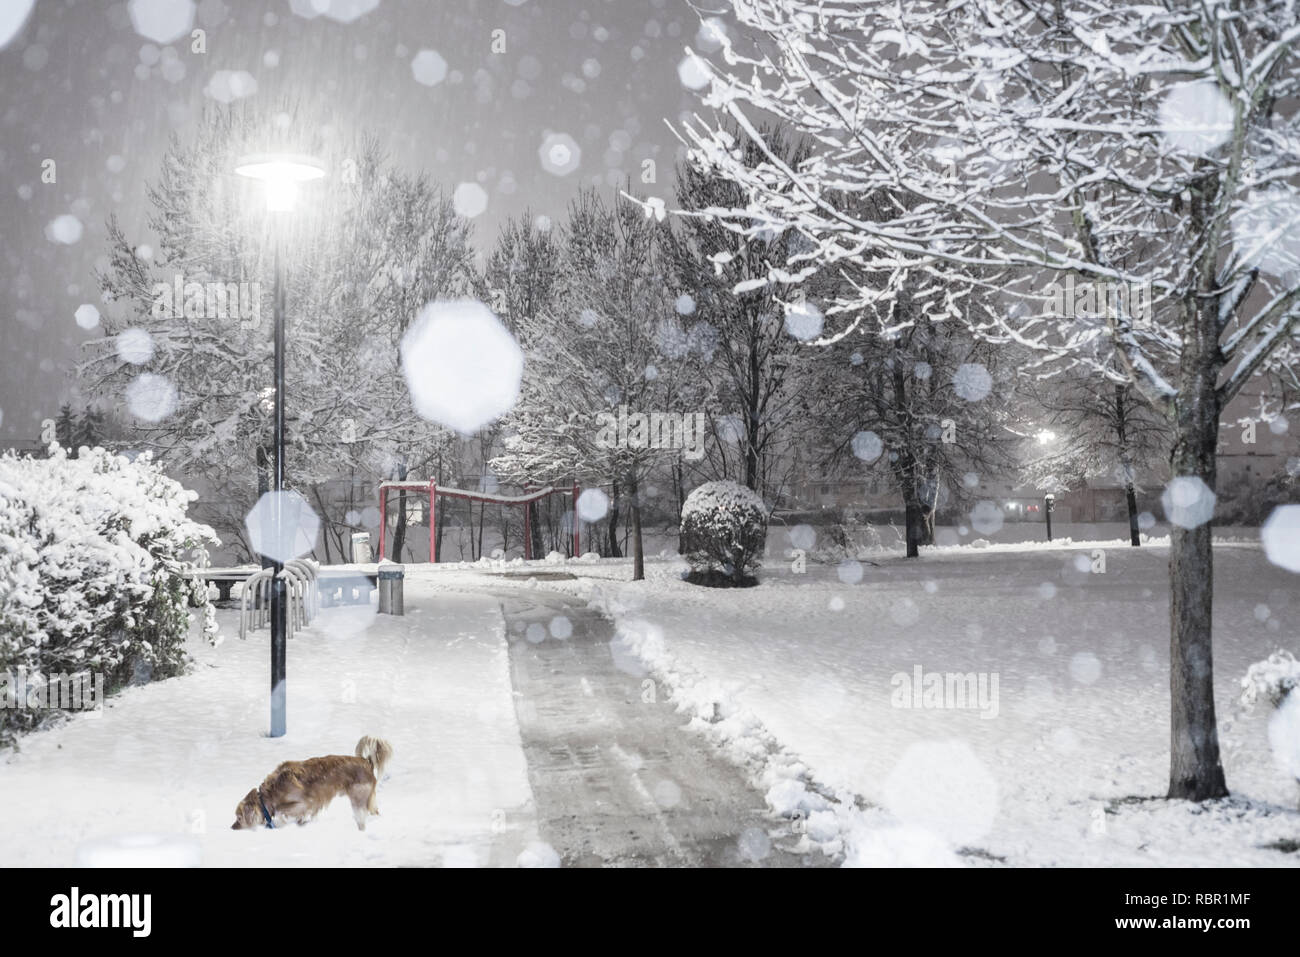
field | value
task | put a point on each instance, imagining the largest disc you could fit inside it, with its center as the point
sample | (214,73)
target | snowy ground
(797,677)
(797,680)
(175,757)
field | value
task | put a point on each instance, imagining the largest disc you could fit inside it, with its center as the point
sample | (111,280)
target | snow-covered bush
(1271,679)
(1275,680)
(724,526)
(90,554)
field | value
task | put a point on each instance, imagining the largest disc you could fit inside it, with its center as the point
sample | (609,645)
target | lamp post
(280,173)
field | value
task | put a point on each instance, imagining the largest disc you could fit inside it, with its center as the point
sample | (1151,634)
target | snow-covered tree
(757,368)
(1091,430)
(188,315)
(917,405)
(1123,144)
(521,276)
(610,348)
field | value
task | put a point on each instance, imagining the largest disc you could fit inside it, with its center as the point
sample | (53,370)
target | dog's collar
(266,815)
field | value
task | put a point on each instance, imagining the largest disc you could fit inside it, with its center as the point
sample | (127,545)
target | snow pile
(724,524)
(825,817)
(90,549)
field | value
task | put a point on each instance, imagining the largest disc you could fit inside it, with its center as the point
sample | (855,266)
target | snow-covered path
(175,757)
(617,779)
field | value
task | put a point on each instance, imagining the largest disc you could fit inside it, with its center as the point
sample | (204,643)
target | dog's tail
(375,750)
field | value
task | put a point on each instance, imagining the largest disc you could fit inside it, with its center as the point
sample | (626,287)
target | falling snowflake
(343,11)
(1085,668)
(65,229)
(87,316)
(1280,536)
(803,536)
(753,845)
(151,397)
(282,526)
(972,382)
(135,346)
(1266,232)
(693,72)
(942,787)
(559,153)
(711,34)
(986,517)
(1195,117)
(428,67)
(226,86)
(867,446)
(593,505)
(162,21)
(804,321)
(469,200)
(1188,502)
(462,367)
(13,14)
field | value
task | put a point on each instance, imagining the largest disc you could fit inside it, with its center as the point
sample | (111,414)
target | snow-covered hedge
(90,550)
(724,526)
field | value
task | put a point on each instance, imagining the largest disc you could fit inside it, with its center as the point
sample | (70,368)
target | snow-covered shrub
(724,527)
(1271,679)
(1275,680)
(90,554)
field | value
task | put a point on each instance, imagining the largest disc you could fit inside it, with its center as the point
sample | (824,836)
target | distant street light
(281,173)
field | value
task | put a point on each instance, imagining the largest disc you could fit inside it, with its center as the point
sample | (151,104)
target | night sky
(82,87)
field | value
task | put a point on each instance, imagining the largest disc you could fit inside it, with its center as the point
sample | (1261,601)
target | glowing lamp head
(281,173)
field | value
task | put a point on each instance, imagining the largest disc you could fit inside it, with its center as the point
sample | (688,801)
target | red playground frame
(433,491)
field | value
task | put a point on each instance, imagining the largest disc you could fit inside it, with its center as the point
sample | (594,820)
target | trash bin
(361,548)
(391,579)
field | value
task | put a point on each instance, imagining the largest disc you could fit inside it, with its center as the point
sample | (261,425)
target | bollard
(361,548)
(391,579)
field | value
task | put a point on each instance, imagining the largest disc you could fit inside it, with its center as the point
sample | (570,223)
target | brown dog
(299,790)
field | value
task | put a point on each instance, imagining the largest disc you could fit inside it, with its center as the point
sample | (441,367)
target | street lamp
(280,173)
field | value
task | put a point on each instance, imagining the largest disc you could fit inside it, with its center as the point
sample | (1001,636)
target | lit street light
(281,174)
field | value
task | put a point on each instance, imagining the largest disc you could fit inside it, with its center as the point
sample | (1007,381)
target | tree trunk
(638,554)
(1134,537)
(913,513)
(614,550)
(753,421)
(1195,770)
(928,510)
(1121,433)
(927,525)
(535,525)
(678,471)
